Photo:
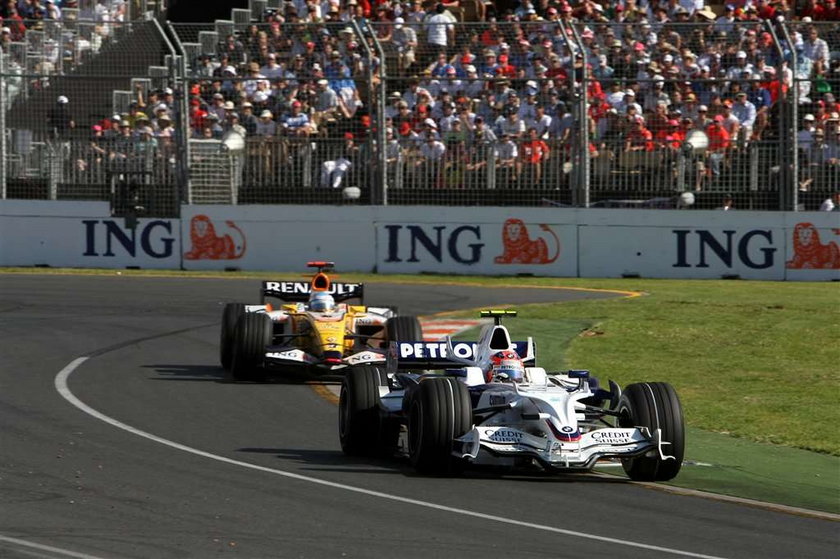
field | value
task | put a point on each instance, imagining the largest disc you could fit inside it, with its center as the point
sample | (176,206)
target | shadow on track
(336,461)
(182,372)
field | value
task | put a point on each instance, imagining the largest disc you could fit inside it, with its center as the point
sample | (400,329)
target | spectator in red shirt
(637,146)
(719,144)
(533,153)
(505,68)
(639,138)
(830,12)
(670,136)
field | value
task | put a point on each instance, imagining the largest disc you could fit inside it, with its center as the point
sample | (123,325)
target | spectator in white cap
(5,38)
(741,66)
(145,143)
(473,85)
(59,121)
(52,11)
(326,103)
(247,118)
(726,22)
(217,106)
(603,71)
(204,67)
(745,112)
(404,39)
(272,70)
(432,152)
(266,126)
(805,135)
(629,100)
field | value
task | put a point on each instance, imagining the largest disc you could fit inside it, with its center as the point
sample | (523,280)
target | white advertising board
(89,242)
(276,237)
(690,245)
(557,242)
(682,252)
(499,247)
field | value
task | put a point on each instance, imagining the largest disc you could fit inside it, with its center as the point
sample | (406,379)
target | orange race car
(314,328)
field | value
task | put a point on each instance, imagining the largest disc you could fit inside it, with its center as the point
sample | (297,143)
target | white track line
(50,549)
(61,386)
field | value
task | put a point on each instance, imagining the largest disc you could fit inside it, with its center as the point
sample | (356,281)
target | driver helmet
(506,366)
(321,301)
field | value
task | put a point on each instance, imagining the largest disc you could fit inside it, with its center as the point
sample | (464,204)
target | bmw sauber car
(313,328)
(449,404)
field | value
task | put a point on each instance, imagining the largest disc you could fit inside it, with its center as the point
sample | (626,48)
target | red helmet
(505,366)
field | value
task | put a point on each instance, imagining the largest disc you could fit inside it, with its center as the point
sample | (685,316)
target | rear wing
(301,290)
(447,354)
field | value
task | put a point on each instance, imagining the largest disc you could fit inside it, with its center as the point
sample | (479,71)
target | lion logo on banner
(520,248)
(810,253)
(208,245)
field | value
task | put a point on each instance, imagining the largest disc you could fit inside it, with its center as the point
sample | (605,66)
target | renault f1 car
(313,328)
(464,413)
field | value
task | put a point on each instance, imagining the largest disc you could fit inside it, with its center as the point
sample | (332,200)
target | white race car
(478,411)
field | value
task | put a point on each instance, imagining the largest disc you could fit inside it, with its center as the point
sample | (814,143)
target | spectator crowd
(508,93)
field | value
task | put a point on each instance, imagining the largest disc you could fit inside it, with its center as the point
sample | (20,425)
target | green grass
(757,360)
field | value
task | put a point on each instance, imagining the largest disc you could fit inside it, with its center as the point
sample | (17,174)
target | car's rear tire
(654,405)
(405,328)
(252,334)
(358,411)
(439,412)
(230,315)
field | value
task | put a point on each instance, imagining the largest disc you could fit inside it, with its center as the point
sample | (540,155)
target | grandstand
(564,103)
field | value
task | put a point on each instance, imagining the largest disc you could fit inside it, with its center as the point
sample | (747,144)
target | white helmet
(321,301)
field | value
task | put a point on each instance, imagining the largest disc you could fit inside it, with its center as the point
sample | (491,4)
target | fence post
(182,120)
(378,99)
(580,190)
(3,150)
(790,130)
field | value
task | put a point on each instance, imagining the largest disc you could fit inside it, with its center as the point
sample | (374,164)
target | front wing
(287,356)
(486,444)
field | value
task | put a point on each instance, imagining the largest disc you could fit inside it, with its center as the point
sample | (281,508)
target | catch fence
(248,110)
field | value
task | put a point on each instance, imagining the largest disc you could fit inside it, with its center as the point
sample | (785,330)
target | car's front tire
(230,316)
(252,334)
(405,328)
(358,411)
(439,412)
(654,405)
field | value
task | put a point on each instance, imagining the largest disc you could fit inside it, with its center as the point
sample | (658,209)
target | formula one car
(492,405)
(310,330)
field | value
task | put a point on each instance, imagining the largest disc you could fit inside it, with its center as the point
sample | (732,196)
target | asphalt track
(182,463)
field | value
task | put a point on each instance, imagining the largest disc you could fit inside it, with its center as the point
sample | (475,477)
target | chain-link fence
(291,103)
(85,115)
(815,90)
(684,107)
(267,109)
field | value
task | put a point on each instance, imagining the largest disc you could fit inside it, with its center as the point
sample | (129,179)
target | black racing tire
(358,411)
(405,328)
(439,412)
(654,405)
(230,315)
(252,334)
